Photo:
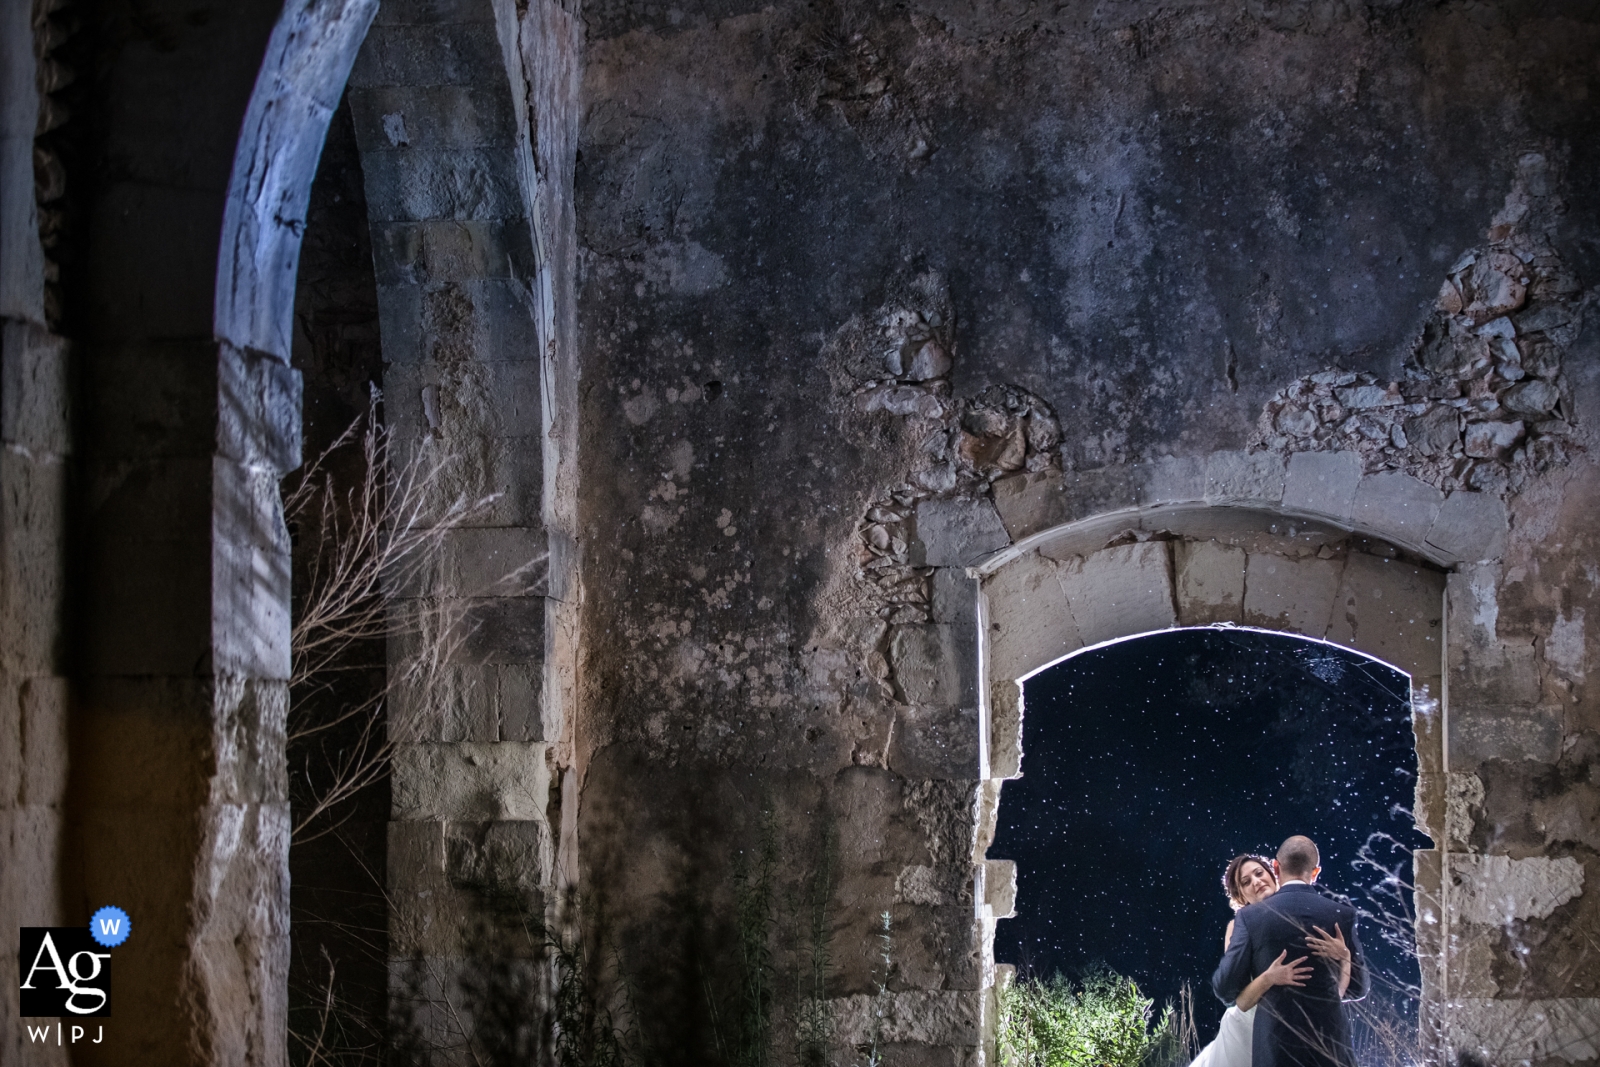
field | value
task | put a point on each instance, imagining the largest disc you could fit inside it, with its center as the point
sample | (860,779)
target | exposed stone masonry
(1483,404)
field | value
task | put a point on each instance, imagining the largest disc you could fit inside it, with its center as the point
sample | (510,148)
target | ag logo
(64,973)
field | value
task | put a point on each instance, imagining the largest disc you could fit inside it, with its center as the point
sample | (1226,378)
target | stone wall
(1231,313)
(907,351)
(462,115)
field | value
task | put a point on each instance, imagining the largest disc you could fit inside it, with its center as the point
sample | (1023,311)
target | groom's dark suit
(1297,1026)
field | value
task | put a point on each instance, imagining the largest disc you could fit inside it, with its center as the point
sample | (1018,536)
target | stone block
(452,703)
(935,743)
(22,262)
(258,410)
(480,631)
(1174,480)
(927,665)
(1505,673)
(987,807)
(452,183)
(416,857)
(1000,887)
(471,780)
(1121,591)
(916,1055)
(251,573)
(1463,801)
(471,401)
(914,1016)
(1116,487)
(1428,805)
(1392,610)
(1474,608)
(1322,484)
(958,533)
(1292,594)
(1031,501)
(1470,527)
(1508,1030)
(35,389)
(249,717)
(1036,501)
(504,859)
(400,323)
(935,946)
(423,13)
(521,712)
(1427,722)
(30,893)
(431,117)
(955,596)
(921,884)
(1030,624)
(33,540)
(429,52)
(450,250)
(1508,733)
(1396,507)
(1210,582)
(1244,478)
(41,742)
(1005,728)
(1498,890)
(495,561)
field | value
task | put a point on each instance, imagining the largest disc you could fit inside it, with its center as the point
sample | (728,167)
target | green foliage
(1102,1022)
(814,1022)
(743,1023)
(880,1003)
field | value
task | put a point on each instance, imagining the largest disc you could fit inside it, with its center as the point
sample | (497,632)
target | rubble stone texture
(832,368)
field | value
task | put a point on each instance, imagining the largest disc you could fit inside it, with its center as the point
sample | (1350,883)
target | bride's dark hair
(1230,877)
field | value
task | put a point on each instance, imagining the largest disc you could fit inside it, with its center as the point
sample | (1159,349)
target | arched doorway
(1150,570)
(1153,760)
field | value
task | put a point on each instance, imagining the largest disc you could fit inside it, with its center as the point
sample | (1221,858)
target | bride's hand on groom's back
(1328,946)
(1292,972)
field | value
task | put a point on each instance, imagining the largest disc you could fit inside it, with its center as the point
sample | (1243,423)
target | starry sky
(1148,764)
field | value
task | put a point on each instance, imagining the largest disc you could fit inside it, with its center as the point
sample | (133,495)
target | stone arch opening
(1150,570)
(1152,759)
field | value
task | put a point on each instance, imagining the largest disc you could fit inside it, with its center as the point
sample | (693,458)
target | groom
(1297,1026)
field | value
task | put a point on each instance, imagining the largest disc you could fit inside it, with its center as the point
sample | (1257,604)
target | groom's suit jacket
(1297,1026)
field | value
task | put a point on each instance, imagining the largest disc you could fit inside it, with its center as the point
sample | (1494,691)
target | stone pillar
(473,276)
(180,635)
(35,453)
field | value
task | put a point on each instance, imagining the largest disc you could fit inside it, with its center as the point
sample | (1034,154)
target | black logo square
(63,973)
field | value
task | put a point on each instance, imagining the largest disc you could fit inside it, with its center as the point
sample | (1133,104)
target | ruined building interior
(742,400)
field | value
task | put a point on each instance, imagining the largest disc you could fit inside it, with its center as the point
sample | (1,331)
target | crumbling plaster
(870,297)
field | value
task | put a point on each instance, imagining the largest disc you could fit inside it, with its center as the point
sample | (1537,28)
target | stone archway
(1141,571)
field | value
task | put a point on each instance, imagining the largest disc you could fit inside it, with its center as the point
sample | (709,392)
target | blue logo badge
(110,927)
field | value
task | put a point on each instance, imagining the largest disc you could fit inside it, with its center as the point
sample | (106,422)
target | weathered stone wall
(870,295)
(917,349)
(154,191)
(36,438)
(463,117)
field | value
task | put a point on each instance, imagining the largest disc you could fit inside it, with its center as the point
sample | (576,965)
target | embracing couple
(1292,953)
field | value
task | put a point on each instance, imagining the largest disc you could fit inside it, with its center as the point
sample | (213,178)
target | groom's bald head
(1298,857)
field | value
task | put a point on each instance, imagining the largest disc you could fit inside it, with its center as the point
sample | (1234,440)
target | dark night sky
(1148,764)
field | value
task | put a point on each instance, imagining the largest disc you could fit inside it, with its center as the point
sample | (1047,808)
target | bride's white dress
(1232,1045)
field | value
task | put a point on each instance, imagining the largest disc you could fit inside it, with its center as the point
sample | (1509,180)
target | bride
(1247,880)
